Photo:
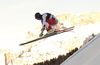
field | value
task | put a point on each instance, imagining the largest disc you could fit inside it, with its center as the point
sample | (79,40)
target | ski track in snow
(46,46)
(83,30)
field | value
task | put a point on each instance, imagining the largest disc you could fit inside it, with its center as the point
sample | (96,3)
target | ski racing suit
(48,21)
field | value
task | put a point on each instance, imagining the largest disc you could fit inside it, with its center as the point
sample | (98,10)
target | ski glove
(41,34)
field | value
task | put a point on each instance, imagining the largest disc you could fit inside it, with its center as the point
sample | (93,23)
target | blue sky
(17,16)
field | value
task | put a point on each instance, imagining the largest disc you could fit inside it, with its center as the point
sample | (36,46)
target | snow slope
(87,55)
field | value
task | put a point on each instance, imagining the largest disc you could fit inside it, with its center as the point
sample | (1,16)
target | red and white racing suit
(48,21)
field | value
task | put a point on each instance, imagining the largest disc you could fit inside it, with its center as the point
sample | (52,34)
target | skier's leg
(50,27)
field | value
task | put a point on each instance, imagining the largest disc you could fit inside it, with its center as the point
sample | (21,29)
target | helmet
(37,15)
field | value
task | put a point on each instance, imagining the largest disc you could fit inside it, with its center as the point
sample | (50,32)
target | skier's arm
(44,20)
(43,24)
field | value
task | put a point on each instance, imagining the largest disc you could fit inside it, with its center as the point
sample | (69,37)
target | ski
(54,33)
(65,30)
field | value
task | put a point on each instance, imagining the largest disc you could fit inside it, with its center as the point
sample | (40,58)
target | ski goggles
(37,18)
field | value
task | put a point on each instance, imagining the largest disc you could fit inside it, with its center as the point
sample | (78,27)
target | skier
(48,22)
